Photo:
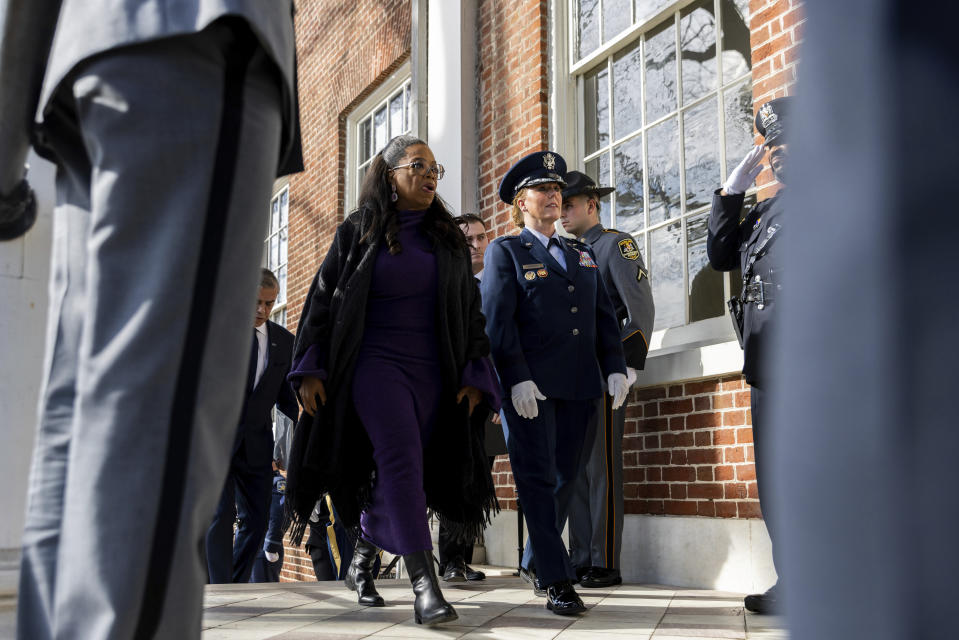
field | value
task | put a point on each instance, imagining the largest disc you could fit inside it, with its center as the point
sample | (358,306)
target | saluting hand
(524,396)
(472,394)
(311,388)
(743,176)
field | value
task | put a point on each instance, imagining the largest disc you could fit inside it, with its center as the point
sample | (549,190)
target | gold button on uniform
(575,332)
(572,288)
(574,310)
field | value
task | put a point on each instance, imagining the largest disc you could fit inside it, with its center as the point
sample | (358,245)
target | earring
(393,196)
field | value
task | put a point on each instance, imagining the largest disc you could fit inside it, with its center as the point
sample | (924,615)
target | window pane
(616,17)
(598,170)
(705,283)
(697,37)
(284,207)
(702,153)
(366,140)
(360,177)
(629,186)
(279,317)
(587,32)
(396,115)
(628,91)
(406,109)
(265,262)
(274,252)
(661,71)
(646,9)
(663,155)
(596,109)
(666,275)
(738,107)
(737,57)
(284,246)
(380,136)
(274,215)
(281,277)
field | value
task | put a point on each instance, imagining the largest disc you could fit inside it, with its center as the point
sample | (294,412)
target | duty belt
(759,292)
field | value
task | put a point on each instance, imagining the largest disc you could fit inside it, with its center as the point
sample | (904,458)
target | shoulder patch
(628,249)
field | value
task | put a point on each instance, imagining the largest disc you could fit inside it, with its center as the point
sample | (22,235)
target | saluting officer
(749,243)
(596,508)
(554,339)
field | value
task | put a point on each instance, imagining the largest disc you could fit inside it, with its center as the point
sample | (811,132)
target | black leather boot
(359,577)
(430,607)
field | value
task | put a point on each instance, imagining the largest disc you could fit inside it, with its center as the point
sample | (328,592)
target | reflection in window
(629,186)
(681,106)
(587,39)
(664,171)
(705,283)
(661,72)
(702,154)
(697,38)
(616,17)
(628,91)
(597,110)
(666,275)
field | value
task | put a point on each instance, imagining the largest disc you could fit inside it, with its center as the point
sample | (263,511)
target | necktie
(254,356)
(558,253)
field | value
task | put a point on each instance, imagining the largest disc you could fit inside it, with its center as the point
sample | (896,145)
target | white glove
(618,388)
(524,395)
(271,556)
(631,375)
(744,175)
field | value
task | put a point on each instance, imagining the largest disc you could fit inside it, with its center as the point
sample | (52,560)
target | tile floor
(500,608)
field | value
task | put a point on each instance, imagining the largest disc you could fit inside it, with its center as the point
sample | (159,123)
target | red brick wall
(776,28)
(344,50)
(513,95)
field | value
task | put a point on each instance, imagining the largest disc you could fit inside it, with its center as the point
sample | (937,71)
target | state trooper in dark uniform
(596,508)
(554,339)
(749,242)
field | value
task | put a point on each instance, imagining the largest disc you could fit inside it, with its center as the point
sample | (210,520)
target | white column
(451,99)
(24,271)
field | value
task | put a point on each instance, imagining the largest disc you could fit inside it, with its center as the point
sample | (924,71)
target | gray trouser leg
(596,511)
(159,238)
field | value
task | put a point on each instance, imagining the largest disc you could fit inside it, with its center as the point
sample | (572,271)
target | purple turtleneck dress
(396,387)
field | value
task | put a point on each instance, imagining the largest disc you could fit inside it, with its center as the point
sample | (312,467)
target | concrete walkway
(501,607)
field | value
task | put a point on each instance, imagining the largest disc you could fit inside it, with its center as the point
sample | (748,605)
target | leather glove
(631,375)
(524,395)
(744,175)
(618,388)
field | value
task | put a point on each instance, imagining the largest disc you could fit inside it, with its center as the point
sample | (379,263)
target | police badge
(628,249)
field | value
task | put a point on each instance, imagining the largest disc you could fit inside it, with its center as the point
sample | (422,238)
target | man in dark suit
(246,495)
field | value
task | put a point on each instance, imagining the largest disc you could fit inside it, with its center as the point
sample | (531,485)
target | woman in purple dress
(390,360)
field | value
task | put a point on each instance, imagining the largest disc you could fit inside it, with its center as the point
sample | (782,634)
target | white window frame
(699,349)
(380,97)
(281,186)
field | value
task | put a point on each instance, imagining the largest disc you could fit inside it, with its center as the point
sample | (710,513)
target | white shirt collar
(262,330)
(542,238)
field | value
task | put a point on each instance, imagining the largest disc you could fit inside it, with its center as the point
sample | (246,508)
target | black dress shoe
(531,578)
(455,571)
(473,575)
(764,602)
(580,572)
(600,578)
(562,600)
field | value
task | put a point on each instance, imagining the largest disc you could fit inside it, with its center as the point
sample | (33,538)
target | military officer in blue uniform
(749,242)
(554,340)
(596,508)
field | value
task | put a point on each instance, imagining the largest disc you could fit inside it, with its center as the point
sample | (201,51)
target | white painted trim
(704,553)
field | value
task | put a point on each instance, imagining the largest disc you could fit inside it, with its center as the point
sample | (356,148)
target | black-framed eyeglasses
(419,168)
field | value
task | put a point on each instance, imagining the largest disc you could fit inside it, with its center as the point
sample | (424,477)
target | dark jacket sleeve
(631,281)
(724,238)
(314,330)
(285,397)
(499,306)
(609,347)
